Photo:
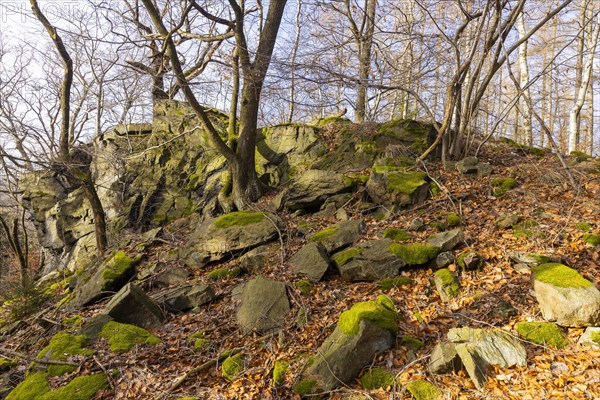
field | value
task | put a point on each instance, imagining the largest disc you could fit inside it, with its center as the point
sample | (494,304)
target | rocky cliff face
(150,174)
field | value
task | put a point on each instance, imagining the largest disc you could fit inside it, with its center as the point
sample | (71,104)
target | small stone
(416,225)
(591,337)
(448,240)
(444,259)
(444,359)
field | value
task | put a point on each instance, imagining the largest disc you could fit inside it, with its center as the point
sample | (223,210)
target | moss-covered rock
(346,256)
(470,261)
(583,226)
(36,386)
(580,156)
(545,333)
(591,239)
(397,234)
(453,220)
(324,234)
(6,364)
(61,346)
(503,185)
(377,378)
(381,312)
(394,282)
(232,366)
(415,253)
(279,371)
(122,337)
(304,287)
(117,268)
(410,342)
(239,218)
(306,387)
(222,273)
(423,390)
(560,275)
(446,284)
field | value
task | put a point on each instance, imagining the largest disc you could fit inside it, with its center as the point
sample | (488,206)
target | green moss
(324,234)
(453,220)
(122,337)
(279,371)
(595,336)
(377,378)
(232,366)
(583,226)
(580,156)
(406,182)
(449,282)
(118,266)
(354,179)
(304,287)
(592,239)
(418,316)
(434,189)
(542,333)
(423,390)
(219,273)
(73,322)
(80,388)
(528,224)
(461,260)
(411,342)
(536,151)
(200,342)
(346,256)
(560,275)
(389,283)
(414,253)
(239,218)
(35,386)
(61,346)
(381,312)
(396,234)
(6,364)
(306,387)
(503,185)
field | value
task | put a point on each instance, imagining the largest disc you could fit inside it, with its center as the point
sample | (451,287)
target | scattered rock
(544,333)
(444,359)
(503,310)
(532,259)
(444,259)
(370,261)
(339,236)
(471,167)
(448,240)
(470,261)
(591,337)
(508,221)
(389,186)
(415,254)
(565,296)
(446,284)
(416,225)
(185,298)
(254,260)
(311,260)
(264,305)
(132,306)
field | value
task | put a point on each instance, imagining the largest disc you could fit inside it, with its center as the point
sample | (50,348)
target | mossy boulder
(364,330)
(502,185)
(544,333)
(565,296)
(311,261)
(61,347)
(377,378)
(370,261)
(472,167)
(230,234)
(453,220)
(279,371)
(414,254)
(470,261)
(110,277)
(423,390)
(388,186)
(446,284)
(339,236)
(36,386)
(122,337)
(232,366)
(400,235)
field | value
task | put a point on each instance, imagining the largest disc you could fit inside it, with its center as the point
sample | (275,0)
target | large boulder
(132,306)
(393,186)
(231,234)
(312,261)
(185,298)
(339,236)
(369,261)
(310,190)
(366,329)
(264,305)
(565,296)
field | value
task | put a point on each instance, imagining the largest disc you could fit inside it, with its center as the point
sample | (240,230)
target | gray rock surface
(312,261)
(397,188)
(444,359)
(264,305)
(311,189)
(185,298)
(371,261)
(132,306)
(340,235)
(447,240)
(591,337)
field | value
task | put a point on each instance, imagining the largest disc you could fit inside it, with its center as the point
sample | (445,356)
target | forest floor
(543,194)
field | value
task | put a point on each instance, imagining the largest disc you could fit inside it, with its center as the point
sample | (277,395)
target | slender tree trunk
(524,81)
(292,93)
(365,44)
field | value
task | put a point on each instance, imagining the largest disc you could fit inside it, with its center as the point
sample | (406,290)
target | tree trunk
(524,82)
(365,44)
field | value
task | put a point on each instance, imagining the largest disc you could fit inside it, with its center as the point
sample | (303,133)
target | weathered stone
(470,261)
(264,305)
(311,189)
(311,260)
(111,276)
(475,365)
(444,359)
(508,221)
(339,236)
(389,187)
(370,261)
(254,260)
(446,284)
(470,166)
(444,259)
(447,240)
(591,337)
(364,330)
(94,325)
(565,296)
(231,234)
(185,297)
(417,225)
(532,259)
(171,276)
(132,306)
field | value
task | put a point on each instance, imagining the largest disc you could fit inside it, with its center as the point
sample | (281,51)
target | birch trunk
(524,82)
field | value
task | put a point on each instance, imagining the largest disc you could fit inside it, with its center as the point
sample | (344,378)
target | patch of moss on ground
(523,229)
(200,342)
(279,371)
(381,312)
(592,239)
(6,364)
(61,346)
(423,390)
(542,333)
(580,156)
(415,253)
(222,273)
(232,366)
(324,234)
(411,342)
(306,387)
(304,287)
(583,226)
(528,224)
(503,185)
(560,275)
(389,283)
(239,218)
(346,256)
(434,189)
(118,266)
(35,386)
(80,388)
(397,234)
(406,182)
(73,322)
(449,282)
(377,378)
(453,220)
(122,337)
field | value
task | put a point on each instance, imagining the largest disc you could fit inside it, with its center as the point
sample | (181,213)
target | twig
(5,351)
